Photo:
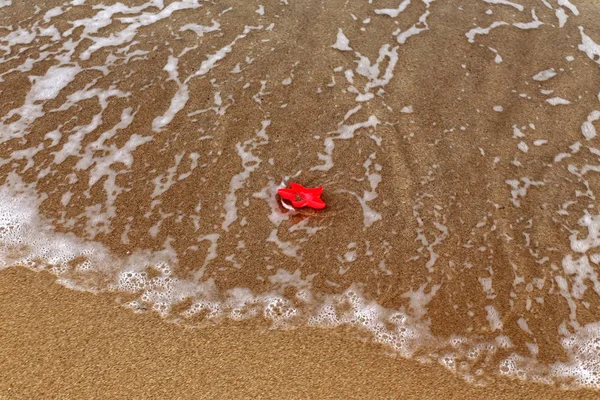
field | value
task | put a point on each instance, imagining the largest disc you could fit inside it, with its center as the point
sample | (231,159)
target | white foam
(483,31)
(588,130)
(370,216)
(164,181)
(250,163)
(555,101)
(520,187)
(17,37)
(421,26)
(200,30)
(562,17)
(504,342)
(517,133)
(372,72)
(472,33)
(48,86)
(100,166)
(393,12)
(498,58)
(522,322)
(394,328)
(440,234)
(418,299)
(132,24)
(506,3)
(43,88)
(583,352)
(569,5)
(592,223)
(21,225)
(342,43)
(178,101)
(493,317)
(283,279)
(287,248)
(211,60)
(544,75)
(345,132)
(523,146)
(53,12)
(534,24)
(589,47)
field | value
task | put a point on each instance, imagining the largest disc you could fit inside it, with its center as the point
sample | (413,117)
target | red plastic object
(301,196)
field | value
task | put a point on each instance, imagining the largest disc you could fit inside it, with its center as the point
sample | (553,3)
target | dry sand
(61,344)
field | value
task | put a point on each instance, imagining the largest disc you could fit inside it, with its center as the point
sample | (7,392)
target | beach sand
(448,169)
(60,344)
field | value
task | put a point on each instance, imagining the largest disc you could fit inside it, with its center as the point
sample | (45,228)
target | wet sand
(57,344)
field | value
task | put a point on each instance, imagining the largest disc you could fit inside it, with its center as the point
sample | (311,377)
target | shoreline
(59,343)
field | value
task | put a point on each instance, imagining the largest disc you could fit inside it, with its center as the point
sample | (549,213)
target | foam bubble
(583,354)
(342,43)
(545,75)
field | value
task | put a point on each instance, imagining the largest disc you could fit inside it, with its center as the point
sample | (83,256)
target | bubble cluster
(584,356)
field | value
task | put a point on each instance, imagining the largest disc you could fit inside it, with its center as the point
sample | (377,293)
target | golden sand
(61,344)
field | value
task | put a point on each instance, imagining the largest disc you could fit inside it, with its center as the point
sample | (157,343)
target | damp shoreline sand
(58,343)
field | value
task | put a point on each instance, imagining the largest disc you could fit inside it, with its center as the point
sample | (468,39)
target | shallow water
(142,146)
